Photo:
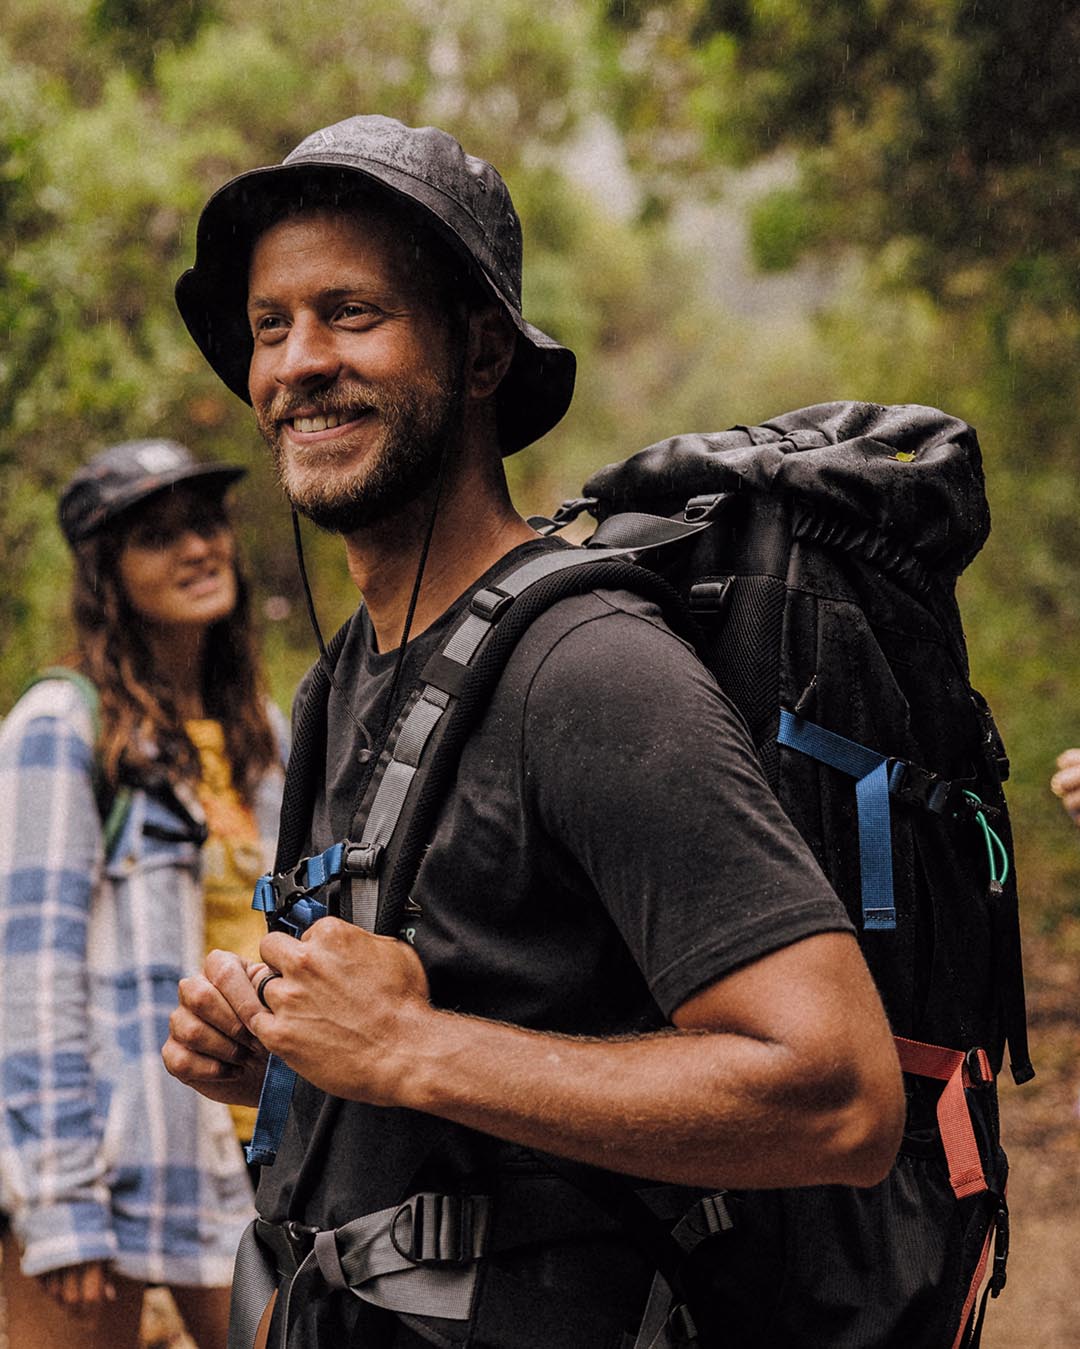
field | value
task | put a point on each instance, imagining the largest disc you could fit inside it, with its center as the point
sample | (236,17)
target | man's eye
(268,323)
(356,311)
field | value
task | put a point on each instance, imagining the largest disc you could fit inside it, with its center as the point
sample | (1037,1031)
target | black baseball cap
(125,474)
(461,197)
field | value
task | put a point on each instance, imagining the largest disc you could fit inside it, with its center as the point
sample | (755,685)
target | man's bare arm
(784,1073)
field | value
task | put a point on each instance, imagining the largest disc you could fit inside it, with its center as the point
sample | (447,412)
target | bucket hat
(125,474)
(461,197)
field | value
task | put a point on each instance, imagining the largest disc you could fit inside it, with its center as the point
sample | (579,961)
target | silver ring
(260,992)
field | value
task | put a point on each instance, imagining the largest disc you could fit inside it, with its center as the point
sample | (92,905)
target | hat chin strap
(313,618)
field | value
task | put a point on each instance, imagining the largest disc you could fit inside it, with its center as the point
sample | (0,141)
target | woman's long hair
(142,732)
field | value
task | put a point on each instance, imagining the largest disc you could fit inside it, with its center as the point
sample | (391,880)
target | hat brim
(212,295)
(214,479)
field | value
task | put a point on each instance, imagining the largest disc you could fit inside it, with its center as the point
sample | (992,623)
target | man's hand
(209,1047)
(1066,782)
(79,1288)
(346,1012)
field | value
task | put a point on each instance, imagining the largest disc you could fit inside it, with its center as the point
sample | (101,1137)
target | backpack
(813,559)
(113,803)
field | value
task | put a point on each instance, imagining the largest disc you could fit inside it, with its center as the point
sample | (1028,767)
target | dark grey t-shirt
(610,849)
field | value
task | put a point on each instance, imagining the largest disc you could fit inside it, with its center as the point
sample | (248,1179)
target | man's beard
(419,424)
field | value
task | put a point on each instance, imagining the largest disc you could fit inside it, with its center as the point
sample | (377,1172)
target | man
(618,952)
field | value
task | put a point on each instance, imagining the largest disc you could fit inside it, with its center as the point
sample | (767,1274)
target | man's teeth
(326,423)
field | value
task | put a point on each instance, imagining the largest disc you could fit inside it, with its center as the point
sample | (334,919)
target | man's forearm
(696,1108)
(783,1073)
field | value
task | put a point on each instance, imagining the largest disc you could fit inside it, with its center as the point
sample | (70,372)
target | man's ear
(492,340)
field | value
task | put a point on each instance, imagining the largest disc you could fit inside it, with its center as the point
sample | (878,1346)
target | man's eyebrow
(260,302)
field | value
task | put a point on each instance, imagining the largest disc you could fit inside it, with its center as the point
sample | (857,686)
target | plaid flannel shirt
(102,1154)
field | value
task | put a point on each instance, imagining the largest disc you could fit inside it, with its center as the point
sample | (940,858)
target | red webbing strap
(976,1282)
(951,1066)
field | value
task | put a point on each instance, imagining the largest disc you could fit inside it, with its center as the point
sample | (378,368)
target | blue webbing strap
(277,1087)
(871,773)
(318,870)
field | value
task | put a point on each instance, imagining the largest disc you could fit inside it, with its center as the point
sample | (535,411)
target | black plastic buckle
(710,597)
(681,1326)
(288,887)
(703,507)
(443,1229)
(974,1066)
(570,509)
(490,603)
(917,786)
(998,1276)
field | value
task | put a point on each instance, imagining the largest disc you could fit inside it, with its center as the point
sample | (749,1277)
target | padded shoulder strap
(306,759)
(462,677)
(377,866)
(113,805)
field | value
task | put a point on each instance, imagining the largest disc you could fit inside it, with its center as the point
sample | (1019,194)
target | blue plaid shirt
(102,1154)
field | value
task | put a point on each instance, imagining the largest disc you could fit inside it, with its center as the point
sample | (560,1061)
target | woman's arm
(52,1174)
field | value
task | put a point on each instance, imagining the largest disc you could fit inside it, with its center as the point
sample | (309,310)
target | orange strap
(954,1068)
(973,1291)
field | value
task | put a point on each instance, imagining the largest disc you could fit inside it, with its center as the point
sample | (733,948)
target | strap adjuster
(442,1229)
(361,859)
(490,603)
(974,1061)
(917,786)
(703,507)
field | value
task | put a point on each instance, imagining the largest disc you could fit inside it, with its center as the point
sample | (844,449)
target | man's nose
(309,355)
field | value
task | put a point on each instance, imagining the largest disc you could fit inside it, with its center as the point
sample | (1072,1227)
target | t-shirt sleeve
(641,768)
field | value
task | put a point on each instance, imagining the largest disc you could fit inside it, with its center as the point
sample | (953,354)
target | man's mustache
(336,398)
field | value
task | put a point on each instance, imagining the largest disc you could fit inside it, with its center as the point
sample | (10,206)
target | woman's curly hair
(142,731)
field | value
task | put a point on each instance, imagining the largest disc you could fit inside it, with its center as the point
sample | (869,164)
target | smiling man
(619,955)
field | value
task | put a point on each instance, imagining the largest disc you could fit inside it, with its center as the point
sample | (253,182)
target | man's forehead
(333,230)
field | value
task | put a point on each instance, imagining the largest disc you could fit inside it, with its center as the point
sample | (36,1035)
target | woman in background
(139,793)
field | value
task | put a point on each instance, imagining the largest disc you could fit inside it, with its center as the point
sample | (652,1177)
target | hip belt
(419,1257)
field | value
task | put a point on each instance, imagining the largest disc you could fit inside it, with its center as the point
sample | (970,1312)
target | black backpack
(817,556)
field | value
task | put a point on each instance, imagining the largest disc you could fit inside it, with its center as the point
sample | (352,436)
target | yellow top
(233,860)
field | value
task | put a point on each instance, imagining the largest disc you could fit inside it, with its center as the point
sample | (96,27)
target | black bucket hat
(123,475)
(463,198)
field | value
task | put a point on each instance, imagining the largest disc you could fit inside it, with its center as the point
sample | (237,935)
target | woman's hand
(79,1288)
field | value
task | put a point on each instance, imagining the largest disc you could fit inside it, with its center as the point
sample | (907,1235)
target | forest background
(730,209)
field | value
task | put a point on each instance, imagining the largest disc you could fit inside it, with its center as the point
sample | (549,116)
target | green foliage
(934,153)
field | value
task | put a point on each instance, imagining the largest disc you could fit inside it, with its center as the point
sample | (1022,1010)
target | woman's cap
(461,197)
(123,475)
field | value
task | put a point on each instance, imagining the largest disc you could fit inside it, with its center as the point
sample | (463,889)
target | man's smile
(304,429)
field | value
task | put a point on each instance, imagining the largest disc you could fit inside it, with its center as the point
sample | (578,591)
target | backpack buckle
(440,1229)
(703,507)
(1001,1251)
(287,886)
(490,603)
(681,1327)
(975,1063)
(917,786)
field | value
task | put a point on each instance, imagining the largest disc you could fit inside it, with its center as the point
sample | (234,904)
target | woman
(136,809)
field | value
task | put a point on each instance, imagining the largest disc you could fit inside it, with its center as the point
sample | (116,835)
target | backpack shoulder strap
(306,757)
(114,804)
(377,869)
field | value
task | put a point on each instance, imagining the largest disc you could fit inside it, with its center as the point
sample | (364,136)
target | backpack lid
(910,471)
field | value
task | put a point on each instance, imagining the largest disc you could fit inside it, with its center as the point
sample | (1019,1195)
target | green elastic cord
(995,850)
